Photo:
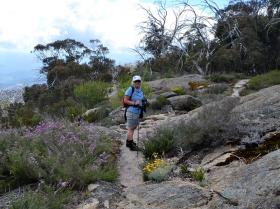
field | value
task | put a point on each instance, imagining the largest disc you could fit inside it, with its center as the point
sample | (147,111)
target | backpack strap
(132,91)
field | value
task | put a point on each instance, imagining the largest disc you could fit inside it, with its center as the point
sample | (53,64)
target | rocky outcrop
(102,195)
(184,102)
(115,117)
(256,185)
(168,94)
(166,195)
(169,83)
(96,114)
(258,114)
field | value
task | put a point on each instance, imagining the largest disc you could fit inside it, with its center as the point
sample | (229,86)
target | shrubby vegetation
(91,93)
(264,80)
(209,127)
(261,81)
(156,169)
(225,78)
(45,198)
(197,174)
(56,152)
(78,78)
(178,90)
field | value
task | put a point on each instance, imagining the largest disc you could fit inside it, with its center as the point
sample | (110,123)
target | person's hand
(137,103)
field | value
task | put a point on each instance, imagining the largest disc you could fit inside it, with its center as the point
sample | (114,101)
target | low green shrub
(209,127)
(160,173)
(45,198)
(184,170)
(156,169)
(198,174)
(225,78)
(162,142)
(265,80)
(72,111)
(91,93)
(55,152)
(178,90)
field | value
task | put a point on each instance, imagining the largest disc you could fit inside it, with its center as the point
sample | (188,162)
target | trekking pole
(138,137)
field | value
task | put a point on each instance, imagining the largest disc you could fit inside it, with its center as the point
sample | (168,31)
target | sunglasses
(137,81)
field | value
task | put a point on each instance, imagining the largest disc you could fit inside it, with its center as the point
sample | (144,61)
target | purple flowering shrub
(59,154)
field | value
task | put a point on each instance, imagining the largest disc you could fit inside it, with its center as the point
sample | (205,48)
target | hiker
(133,98)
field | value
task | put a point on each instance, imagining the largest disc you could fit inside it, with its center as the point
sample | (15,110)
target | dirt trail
(129,162)
(239,86)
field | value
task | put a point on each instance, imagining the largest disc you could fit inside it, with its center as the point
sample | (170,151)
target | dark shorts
(132,119)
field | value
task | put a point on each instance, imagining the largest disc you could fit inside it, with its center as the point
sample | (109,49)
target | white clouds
(24,24)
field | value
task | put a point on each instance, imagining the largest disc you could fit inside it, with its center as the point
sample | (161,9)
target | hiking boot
(132,146)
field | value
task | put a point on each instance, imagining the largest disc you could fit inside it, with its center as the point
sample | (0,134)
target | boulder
(168,83)
(106,195)
(96,114)
(116,117)
(169,94)
(184,102)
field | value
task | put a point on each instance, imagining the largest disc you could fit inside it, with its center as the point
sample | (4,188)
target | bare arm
(127,101)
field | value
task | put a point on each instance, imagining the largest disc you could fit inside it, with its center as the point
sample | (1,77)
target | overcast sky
(25,23)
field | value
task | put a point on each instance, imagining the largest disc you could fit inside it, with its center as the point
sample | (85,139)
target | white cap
(136,78)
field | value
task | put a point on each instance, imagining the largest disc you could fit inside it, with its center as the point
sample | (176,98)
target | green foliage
(225,77)
(210,126)
(45,198)
(21,115)
(178,90)
(262,81)
(147,90)
(160,173)
(56,152)
(91,93)
(198,174)
(72,111)
(159,103)
(162,142)
(184,170)
(27,117)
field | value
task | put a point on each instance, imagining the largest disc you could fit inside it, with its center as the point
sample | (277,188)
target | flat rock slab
(259,113)
(256,185)
(166,195)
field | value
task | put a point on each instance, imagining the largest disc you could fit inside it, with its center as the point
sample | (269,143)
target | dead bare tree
(192,34)
(198,42)
(159,38)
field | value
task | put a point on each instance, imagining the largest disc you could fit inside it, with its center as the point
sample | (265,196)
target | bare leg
(130,133)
